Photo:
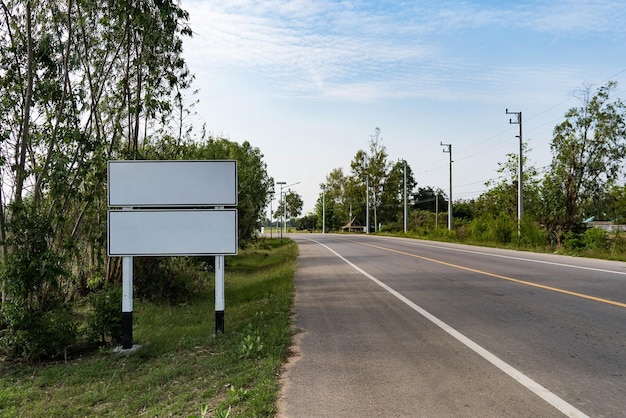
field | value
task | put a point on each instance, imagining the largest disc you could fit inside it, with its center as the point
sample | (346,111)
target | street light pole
(520,166)
(449,151)
(284,184)
(271,199)
(281,183)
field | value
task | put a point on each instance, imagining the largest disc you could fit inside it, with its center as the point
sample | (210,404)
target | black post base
(127,330)
(219,322)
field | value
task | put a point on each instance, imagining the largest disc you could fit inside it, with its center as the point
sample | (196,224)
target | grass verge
(181,365)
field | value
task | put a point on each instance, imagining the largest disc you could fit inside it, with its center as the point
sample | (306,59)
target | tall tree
(372,169)
(430,199)
(335,197)
(501,198)
(294,204)
(392,196)
(588,152)
(76,77)
(254,185)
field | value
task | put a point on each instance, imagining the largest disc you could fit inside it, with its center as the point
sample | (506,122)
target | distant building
(606,225)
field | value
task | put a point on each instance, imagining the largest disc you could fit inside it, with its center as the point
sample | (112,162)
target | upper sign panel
(172,183)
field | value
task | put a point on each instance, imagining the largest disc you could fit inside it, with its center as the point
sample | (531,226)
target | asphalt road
(397,327)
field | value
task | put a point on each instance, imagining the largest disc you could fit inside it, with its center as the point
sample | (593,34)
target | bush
(532,235)
(105,321)
(573,241)
(595,239)
(478,228)
(500,229)
(170,279)
(35,322)
(36,334)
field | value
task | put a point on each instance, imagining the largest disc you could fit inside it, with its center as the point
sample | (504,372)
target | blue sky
(307,82)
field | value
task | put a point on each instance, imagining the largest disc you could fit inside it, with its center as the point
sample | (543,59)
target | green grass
(181,365)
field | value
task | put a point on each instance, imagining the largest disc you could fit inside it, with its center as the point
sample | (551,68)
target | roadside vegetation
(182,365)
(566,204)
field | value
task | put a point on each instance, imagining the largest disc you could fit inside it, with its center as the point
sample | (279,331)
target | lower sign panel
(172,232)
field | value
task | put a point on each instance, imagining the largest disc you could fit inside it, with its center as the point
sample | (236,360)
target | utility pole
(367,203)
(271,199)
(405,199)
(520,166)
(449,151)
(437,210)
(323,208)
(281,183)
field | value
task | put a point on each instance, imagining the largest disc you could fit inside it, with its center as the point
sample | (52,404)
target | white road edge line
(560,404)
(530,260)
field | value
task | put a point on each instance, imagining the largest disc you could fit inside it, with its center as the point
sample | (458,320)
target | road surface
(409,328)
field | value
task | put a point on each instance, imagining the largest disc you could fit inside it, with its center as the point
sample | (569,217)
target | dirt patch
(294,355)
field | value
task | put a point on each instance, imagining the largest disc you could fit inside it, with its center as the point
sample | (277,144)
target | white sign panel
(134,183)
(172,232)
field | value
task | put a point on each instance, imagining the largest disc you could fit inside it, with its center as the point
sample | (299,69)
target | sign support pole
(219,292)
(127,303)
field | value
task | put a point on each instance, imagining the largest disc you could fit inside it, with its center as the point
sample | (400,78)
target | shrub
(595,239)
(35,322)
(532,234)
(171,279)
(36,334)
(105,321)
(498,229)
(572,241)
(478,228)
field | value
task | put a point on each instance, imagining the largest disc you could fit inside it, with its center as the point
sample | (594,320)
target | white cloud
(358,50)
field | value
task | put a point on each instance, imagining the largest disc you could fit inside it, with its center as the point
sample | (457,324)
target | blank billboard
(136,183)
(172,232)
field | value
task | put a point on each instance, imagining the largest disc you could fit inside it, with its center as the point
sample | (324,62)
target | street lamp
(284,184)
(271,200)
(281,183)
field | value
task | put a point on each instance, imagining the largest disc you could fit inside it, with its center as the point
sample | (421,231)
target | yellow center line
(499,276)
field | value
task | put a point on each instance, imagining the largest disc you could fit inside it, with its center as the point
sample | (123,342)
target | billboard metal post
(127,303)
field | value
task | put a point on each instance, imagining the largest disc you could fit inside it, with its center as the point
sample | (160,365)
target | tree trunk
(21,166)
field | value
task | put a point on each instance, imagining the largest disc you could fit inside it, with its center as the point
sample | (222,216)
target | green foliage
(254,182)
(105,320)
(294,204)
(463,210)
(32,269)
(307,222)
(222,413)
(588,152)
(170,279)
(532,234)
(591,239)
(35,334)
(487,228)
(204,411)
(430,199)
(250,346)
(36,322)
(573,241)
